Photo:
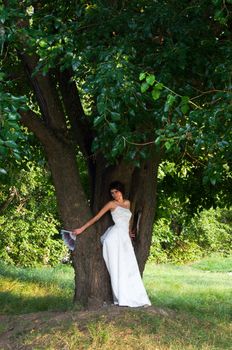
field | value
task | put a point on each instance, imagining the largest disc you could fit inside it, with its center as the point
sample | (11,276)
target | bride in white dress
(118,251)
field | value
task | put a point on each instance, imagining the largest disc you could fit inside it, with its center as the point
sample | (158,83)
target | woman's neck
(120,201)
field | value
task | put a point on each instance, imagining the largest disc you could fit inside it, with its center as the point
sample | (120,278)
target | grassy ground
(191,309)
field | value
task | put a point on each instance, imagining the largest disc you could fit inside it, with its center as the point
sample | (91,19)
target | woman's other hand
(78,231)
(132,234)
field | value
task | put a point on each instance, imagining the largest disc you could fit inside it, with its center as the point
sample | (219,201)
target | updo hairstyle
(117,185)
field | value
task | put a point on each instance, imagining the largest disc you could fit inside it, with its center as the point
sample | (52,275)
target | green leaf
(143,153)
(168,145)
(159,86)
(184,104)
(150,79)
(117,148)
(101,107)
(11,144)
(113,127)
(170,100)
(213,181)
(184,99)
(114,151)
(98,120)
(158,140)
(132,113)
(43,43)
(184,108)
(142,76)
(155,94)
(115,116)
(17,154)
(3,171)
(13,116)
(144,87)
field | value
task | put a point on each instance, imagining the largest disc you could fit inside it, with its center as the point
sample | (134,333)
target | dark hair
(117,185)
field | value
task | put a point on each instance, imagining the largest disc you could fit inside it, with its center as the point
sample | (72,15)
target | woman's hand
(132,234)
(78,231)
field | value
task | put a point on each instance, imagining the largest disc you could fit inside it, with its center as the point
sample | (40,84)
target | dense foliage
(207,232)
(186,50)
(28,220)
(192,219)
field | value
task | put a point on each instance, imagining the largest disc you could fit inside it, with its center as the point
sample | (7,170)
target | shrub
(162,240)
(212,230)
(28,225)
(209,231)
(30,241)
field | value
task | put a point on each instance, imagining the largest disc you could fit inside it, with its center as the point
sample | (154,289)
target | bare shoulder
(107,206)
(127,203)
(111,205)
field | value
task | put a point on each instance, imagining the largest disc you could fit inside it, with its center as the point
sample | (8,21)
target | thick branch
(81,128)
(46,94)
(37,126)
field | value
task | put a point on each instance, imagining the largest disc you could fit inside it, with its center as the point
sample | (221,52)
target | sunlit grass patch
(31,290)
(214,263)
(62,275)
(204,294)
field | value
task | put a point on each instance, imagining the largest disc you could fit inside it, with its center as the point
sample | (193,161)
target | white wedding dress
(119,256)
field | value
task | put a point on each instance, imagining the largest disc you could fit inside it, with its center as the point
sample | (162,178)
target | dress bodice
(121,216)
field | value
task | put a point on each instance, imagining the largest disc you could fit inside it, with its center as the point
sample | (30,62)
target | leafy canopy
(154,73)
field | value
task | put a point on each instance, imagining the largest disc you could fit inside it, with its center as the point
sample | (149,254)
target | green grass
(215,263)
(192,310)
(24,290)
(203,294)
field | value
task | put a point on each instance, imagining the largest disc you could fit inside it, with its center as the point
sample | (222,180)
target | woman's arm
(92,221)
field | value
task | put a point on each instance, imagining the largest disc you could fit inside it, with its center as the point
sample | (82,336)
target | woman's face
(116,194)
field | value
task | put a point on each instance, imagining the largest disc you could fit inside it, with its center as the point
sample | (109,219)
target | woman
(118,252)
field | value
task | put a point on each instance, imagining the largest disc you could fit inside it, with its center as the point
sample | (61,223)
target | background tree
(79,64)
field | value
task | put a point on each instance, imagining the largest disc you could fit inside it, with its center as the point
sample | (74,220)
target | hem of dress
(126,305)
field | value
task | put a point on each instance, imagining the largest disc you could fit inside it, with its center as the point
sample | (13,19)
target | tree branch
(81,128)
(80,125)
(46,136)
(46,94)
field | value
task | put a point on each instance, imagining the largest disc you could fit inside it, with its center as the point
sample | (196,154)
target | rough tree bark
(92,285)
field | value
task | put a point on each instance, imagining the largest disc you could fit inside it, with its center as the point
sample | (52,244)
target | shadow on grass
(12,304)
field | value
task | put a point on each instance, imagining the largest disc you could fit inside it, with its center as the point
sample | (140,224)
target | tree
(78,65)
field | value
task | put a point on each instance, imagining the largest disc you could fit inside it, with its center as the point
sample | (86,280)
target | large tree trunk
(143,199)
(74,211)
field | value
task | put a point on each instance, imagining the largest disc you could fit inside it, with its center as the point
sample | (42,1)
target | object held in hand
(68,238)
